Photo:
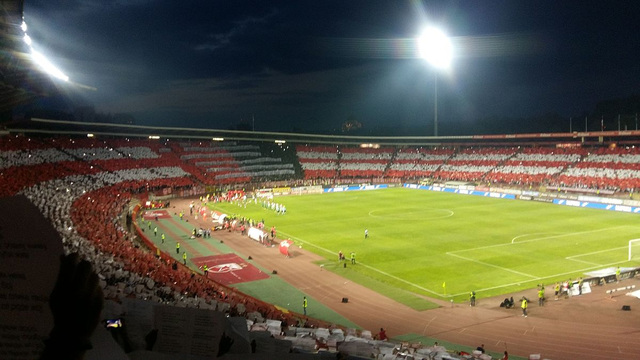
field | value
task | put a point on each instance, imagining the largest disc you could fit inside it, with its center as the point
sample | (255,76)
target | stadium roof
(48,127)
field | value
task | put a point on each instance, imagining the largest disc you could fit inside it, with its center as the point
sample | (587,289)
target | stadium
(230,230)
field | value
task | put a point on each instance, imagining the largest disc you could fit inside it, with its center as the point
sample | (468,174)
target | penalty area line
(513,241)
(574,257)
(541,278)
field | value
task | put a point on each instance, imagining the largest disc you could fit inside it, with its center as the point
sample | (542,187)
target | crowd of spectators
(231,162)
(33,160)
(614,168)
(533,166)
(604,168)
(417,163)
(83,187)
(86,211)
(85,208)
(84,203)
(318,162)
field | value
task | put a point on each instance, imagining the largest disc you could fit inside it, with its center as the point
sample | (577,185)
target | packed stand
(86,211)
(472,164)
(84,195)
(318,161)
(534,166)
(416,163)
(614,169)
(364,162)
(231,163)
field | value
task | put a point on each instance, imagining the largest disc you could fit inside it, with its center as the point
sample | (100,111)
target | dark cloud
(313,64)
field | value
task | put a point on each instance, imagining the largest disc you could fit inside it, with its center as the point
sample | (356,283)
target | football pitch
(445,245)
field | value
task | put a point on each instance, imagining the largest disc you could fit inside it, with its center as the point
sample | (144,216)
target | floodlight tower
(435,47)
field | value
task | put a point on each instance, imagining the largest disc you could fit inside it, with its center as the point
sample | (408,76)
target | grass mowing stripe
(367,266)
(409,243)
(537,239)
(492,265)
(554,276)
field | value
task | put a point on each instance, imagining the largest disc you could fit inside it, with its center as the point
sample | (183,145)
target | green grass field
(420,239)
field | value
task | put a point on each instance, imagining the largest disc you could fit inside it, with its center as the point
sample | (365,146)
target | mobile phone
(113,323)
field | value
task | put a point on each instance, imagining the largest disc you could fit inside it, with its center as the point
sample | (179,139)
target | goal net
(634,249)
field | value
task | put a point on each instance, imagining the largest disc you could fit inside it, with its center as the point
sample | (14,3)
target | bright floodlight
(435,47)
(48,66)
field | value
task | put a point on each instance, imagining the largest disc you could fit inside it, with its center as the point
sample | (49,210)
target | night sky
(309,66)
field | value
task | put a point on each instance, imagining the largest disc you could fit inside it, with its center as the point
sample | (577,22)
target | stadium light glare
(280,142)
(40,59)
(48,66)
(435,47)
(154,137)
(218,139)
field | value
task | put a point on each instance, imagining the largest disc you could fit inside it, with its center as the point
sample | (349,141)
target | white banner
(257,234)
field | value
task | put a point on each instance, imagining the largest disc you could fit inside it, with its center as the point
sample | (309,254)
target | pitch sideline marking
(363,217)
(493,266)
(570,258)
(368,267)
(479,290)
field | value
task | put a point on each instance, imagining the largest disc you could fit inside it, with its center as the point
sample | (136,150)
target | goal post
(634,249)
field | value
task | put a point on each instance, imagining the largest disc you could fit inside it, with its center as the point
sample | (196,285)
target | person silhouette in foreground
(76,302)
